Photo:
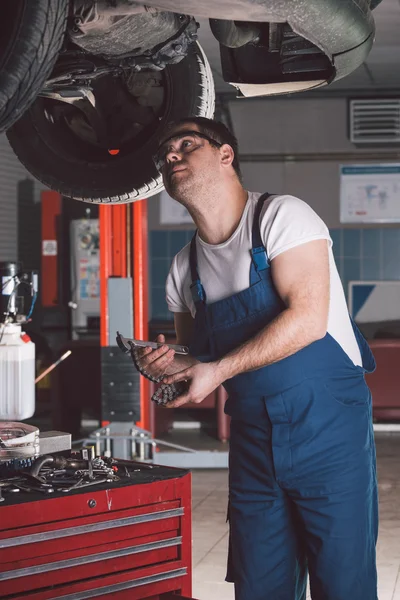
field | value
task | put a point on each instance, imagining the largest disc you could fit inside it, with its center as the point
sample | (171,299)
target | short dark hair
(214,129)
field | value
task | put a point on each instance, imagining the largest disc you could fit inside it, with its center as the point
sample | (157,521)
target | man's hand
(154,363)
(163,361)
(203,378)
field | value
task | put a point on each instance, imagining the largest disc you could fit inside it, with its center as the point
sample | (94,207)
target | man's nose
(173,156)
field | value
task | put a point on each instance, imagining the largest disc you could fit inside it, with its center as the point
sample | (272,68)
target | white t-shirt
(224,269)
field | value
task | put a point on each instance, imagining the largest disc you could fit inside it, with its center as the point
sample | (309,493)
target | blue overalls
(302,474)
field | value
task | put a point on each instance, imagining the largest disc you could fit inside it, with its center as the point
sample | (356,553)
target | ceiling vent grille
(375,121)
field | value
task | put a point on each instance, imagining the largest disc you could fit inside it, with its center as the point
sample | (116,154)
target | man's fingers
(140,352)
(165,359)
(181,376)
(160,339)
(149,357)
(159,366)
(180,401)
(157,361)
(154,367)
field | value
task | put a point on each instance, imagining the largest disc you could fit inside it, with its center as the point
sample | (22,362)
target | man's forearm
(289,332)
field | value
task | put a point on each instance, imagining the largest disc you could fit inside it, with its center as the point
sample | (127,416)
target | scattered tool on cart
(66,472)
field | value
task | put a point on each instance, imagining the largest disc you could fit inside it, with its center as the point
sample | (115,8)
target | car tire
(114,179)
(31,35)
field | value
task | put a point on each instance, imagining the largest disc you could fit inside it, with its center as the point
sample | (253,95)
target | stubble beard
(191,192)
(184,190)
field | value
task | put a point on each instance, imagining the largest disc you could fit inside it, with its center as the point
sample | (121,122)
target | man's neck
(218,217)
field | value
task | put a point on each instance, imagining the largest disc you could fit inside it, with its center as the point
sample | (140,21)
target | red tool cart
(128,539)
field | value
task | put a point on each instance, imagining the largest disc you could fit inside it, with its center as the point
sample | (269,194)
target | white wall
(316,182)
(291,125)
(296,146)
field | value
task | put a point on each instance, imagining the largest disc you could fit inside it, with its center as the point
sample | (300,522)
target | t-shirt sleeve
(174,289)
(287,222)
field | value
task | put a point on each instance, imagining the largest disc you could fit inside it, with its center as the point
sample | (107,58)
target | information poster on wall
(89,278)
(370,193)
(171,212)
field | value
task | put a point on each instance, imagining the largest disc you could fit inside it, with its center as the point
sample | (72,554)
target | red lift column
(141,296)
(124,306)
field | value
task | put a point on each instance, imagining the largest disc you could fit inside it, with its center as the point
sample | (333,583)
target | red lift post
(124,253)
(141,296)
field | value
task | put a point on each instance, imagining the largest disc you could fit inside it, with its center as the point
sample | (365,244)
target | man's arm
(301,277)
(184,324)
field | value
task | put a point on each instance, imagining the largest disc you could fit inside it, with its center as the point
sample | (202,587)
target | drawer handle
(80,529)
(126,585)
(84,560)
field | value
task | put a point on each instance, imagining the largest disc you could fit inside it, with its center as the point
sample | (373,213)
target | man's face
(187,161)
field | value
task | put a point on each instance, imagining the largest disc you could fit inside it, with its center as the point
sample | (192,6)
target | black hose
(60,462)
(76,464)
(44,460)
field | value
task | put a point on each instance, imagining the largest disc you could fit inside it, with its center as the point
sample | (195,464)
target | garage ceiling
(380,72)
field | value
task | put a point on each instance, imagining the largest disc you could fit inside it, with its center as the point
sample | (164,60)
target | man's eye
(186,143)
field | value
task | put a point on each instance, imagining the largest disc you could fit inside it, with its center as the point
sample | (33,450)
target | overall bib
(302,474)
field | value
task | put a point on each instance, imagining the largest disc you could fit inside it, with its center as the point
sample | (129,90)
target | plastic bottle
(17,374)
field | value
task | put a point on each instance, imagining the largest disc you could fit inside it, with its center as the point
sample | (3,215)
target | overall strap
(259,258)
(196,287)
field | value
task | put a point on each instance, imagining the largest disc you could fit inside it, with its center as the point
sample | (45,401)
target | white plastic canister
(17,374)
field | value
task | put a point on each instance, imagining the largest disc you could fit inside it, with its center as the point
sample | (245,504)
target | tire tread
(34,54)
(203,105)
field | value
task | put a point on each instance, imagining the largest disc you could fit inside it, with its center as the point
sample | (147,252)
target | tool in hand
(126,344)
(165,393)
(168,392)
(131,346)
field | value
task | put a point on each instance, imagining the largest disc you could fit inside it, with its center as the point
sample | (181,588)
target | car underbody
(120,70)
(268,47)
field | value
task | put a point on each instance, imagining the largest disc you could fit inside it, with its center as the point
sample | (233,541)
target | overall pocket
(348,391)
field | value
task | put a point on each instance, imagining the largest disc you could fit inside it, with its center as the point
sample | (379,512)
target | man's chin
(177,175)
(177,184)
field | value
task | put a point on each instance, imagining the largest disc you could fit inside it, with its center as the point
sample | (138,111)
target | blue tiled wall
(367,253)
(359,254)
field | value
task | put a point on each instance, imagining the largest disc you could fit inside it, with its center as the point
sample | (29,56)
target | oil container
(17,373)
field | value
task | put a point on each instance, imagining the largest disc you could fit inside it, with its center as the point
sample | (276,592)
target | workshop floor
(210,531)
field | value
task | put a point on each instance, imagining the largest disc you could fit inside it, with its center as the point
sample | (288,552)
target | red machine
(128,539)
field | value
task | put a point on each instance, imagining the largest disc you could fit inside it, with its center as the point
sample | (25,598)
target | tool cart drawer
(131,541)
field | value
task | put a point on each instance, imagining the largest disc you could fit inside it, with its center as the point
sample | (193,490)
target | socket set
(168,392)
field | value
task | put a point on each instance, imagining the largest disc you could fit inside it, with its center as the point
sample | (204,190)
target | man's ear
(227,155)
